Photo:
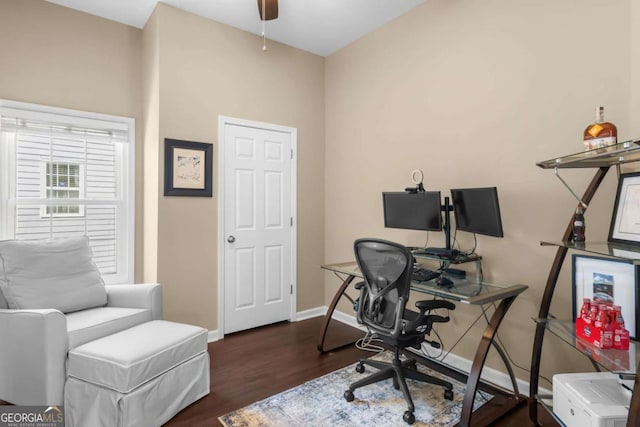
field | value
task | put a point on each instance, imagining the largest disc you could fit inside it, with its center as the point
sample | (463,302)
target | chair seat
(87,325)
(130,358)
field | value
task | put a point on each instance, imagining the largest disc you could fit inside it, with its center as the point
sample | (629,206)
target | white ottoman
(141,376)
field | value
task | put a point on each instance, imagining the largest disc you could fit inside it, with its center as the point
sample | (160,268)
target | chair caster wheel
(348,396)
(448,394)
(396,385)
(409,418)
(359,368)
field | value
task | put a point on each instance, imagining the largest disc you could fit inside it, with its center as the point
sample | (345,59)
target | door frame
(293,132)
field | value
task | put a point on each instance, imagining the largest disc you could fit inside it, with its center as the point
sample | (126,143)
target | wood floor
(252,365)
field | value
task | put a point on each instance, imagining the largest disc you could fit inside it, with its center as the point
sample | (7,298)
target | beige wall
(474,93)
(60,57)
(207,69)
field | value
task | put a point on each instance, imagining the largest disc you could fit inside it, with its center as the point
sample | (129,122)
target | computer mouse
(444,282)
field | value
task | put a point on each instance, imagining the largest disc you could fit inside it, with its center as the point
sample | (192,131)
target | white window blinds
(66,173)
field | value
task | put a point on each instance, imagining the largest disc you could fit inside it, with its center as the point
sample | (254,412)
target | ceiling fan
(268,9)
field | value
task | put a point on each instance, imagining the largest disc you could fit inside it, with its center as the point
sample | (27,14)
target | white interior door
(258,225)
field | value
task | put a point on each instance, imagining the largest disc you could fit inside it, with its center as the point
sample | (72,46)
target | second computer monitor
(476,210)
(412,211)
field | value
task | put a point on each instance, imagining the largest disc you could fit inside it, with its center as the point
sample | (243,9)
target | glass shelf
(624,152)
(616,250)
(459,259)
(611,360)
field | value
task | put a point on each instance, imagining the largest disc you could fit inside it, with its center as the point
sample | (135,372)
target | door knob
(231,239)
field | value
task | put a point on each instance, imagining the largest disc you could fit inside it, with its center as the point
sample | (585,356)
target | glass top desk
(464,291)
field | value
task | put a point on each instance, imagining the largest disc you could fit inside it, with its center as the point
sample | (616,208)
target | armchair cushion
(88,325)
(57,274)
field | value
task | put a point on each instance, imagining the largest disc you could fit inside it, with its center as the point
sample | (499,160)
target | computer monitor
(477,210)
(417,211)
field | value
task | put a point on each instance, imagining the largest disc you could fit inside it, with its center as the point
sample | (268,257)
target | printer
(596,399)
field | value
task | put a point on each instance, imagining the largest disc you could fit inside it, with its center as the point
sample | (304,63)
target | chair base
(399,371)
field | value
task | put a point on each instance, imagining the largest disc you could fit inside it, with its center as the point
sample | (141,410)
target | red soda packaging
(620,334)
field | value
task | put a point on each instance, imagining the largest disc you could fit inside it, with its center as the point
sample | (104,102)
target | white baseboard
(213,336)
(459,363)
(311,313)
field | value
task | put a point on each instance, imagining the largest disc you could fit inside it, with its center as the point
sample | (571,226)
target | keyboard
(420,274)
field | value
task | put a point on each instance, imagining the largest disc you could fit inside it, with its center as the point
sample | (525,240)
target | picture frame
(609,281)
(625,223)
(187,168)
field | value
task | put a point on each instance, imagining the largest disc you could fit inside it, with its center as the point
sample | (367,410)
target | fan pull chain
(264,37)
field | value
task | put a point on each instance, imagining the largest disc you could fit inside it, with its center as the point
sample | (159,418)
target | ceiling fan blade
(271,9)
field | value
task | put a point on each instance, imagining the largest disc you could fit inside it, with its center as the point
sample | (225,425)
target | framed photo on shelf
(187,168)
(625,223)
(607,281)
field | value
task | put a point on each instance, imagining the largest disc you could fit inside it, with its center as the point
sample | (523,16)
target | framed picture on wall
(187,168)
(625,224)
(607,281)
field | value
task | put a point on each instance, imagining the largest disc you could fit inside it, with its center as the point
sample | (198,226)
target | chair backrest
(386,267)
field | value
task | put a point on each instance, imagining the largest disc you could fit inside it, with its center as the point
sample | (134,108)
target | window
(62,181)
(65,173)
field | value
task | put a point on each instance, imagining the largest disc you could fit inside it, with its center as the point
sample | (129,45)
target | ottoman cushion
(128,359)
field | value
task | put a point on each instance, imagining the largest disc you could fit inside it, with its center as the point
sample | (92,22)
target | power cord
(365,343)
(425,348)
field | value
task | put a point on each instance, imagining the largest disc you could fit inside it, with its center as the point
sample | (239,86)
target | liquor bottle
(600,134)
(578,225)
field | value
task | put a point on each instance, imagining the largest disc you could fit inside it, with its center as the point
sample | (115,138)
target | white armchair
(52,299)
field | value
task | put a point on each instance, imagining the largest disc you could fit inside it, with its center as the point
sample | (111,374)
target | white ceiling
(318,26)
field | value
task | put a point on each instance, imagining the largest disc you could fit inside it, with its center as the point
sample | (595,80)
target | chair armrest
(145,295)
(434,304)
(33,352)
(424,319)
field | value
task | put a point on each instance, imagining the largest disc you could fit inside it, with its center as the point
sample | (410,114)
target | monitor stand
(447,251)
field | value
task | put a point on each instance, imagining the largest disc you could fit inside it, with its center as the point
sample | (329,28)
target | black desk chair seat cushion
(386,267)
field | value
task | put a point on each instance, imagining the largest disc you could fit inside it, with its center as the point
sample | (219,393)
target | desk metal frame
(505,294)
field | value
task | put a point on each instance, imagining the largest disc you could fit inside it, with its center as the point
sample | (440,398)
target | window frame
(125,234)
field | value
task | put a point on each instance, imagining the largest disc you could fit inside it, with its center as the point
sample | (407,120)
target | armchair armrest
(145,295)
(33,354)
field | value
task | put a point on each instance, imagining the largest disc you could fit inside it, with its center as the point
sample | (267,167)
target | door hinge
(291,290)
(291,221)
(292,154)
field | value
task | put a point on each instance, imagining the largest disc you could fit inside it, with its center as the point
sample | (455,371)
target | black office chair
(386,267)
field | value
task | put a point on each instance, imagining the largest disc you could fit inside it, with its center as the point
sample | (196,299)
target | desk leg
(327,317)
(480,358)
(505,360)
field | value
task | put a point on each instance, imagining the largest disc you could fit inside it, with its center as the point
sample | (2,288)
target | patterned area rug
(320,402)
